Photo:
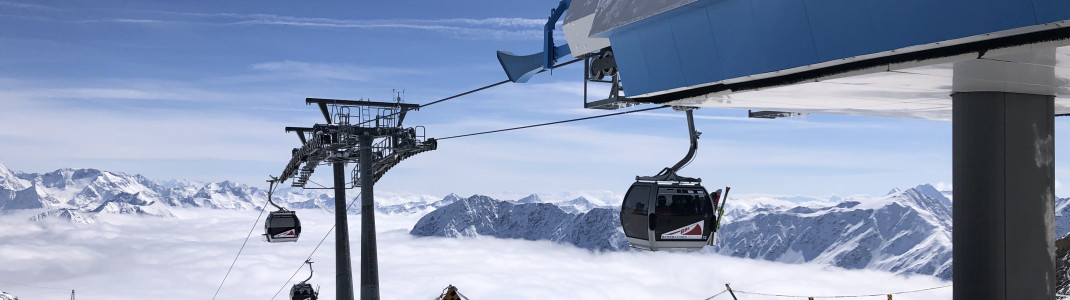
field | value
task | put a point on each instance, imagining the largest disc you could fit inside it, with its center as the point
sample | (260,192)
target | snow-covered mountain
(597,229)
(578,205)
(533,198)
(1062,217)
(906,231)
(83,190)
(77,195)
(10,182)
(903,232)
(575,206)
(1062,265)
(415,206)
(66,214)
(31,197)
(6,296)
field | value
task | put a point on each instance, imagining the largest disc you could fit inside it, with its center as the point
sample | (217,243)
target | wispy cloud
(140,135)
(491,28)
(106,89)
(95,93)
(26,6)
(464,28)
(374,23)
(501,29)
(143,21)
(299,69)
(139,120)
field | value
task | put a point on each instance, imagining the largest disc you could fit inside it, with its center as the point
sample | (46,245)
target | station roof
(922,92)
(871,58)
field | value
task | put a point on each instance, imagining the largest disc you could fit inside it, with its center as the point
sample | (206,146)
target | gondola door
(635,215)
(684,217)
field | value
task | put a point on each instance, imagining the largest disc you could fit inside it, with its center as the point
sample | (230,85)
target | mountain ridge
(77,195)
(480,215)
(91,191)
(905,232)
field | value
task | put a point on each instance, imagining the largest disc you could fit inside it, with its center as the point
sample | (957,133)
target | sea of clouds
(131,257)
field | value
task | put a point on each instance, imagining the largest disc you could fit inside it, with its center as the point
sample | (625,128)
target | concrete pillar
(343,264)
(369,258)
(1004,179)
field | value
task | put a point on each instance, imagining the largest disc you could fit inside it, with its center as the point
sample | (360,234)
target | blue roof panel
(734,31)
(697,49)
(841,28)
(676,48)
(1048,11)
(787,21)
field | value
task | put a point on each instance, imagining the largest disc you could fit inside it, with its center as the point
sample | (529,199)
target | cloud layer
(147,258)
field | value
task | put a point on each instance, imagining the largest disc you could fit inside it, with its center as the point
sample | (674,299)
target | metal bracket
(595,67)
(669,174)
(771,114)
(337,142)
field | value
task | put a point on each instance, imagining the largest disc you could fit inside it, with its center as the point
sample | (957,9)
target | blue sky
(202,90)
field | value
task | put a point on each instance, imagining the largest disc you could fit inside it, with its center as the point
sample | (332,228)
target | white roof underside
(919,92)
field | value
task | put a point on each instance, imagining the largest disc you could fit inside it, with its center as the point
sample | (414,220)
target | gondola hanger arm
(272,183)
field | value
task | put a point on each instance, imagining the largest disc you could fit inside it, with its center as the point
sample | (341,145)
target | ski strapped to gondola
(281,225)
(720,208)
(718,204)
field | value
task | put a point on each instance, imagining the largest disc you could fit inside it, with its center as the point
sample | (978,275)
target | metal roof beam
(323,102)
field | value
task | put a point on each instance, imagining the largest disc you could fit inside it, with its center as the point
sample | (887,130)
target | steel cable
(494,84)
(841,296)
(348,207)
(465,93)
(232,263)
(718,294)
(553,123)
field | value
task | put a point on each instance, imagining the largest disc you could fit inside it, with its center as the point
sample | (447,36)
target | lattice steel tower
(371,135)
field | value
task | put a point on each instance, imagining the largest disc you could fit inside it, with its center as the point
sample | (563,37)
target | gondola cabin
(282,226)
(668,215)
(303,291)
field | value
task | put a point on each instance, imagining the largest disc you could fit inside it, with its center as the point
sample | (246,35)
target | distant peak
(182,183)
(580,199)
(479,197)
(894,191)
(928,190)
(848,204)
(533,198)
(85,173)
(449,199)
(926,187)
(9,180)
(225,184)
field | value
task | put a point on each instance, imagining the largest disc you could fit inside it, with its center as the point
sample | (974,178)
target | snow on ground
(131,257)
